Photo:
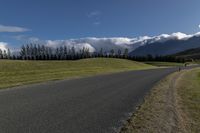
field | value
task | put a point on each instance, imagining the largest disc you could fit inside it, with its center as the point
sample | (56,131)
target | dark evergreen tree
(112,52)
(73,52)
(28,52)
(23,52)
(57,54)
(1,54)
(8,54)
(119,53)
(126,53)
(5,56)
(101,52)
(61,53)
(65,52)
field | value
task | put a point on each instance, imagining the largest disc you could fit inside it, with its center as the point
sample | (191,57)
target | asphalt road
(97,104)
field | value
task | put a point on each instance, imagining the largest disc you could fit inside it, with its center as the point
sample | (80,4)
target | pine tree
(61,53)
(30,51)
(65,52)
(101,52)
(43,53)
(1,54)
(5,56)
(39,52)
(73,52)
(57,54)
(8,53)
(87,52)
(23,52)
(126,53)
(34,52)
(119,53)
(112,52)
(27,51)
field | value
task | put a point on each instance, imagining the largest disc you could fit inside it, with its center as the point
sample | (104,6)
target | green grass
(197,61)
(189,92)
(15,73)
(164,64)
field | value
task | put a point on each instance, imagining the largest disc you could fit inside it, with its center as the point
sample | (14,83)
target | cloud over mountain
(3,45)
(4,28)
(133,44)
(169,44)
(95,44)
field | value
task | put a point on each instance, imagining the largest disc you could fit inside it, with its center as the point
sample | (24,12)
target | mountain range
(167,47)
(164,44)
(189,54)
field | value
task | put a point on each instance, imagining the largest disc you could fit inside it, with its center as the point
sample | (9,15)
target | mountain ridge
(167,47)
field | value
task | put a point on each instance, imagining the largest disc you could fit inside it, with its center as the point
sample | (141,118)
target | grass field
(189,92)
(14,73)
(164,64)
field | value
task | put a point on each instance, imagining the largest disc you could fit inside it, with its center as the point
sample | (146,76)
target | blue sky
(66,19)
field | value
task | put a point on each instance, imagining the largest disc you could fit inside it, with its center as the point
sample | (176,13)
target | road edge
(160,111)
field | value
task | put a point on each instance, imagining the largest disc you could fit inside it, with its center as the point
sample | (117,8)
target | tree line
(5,54)
(42,52)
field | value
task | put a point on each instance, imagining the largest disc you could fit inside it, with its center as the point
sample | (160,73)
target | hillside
(189,54)
(168,47)
(14,73)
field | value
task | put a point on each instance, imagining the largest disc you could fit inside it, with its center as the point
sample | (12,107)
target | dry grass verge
(160,112)
(188,89)
(173,106)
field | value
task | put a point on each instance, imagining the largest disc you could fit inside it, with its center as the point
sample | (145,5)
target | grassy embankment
(163,64)
(172,106)
(15,73)
(189,92)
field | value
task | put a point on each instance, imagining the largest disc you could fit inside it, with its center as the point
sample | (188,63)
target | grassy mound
(14,73)
(164,64)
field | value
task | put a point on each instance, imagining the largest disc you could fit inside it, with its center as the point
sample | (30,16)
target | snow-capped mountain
(156,45)
(168,44)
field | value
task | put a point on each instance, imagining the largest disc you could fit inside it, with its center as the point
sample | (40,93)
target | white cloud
(94,14)
(173,36)
(97,23)
(199,25)
(181,36)
(3,45)
(197,34)
(33,39)
(69,43)
(19,37)
(26,38)
(95,44)
(4,28)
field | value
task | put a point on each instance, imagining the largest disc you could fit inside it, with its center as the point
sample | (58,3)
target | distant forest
(42,52)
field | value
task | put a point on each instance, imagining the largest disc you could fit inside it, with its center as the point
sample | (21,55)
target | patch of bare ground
(160,112)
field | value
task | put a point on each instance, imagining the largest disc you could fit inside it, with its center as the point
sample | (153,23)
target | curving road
(96,104)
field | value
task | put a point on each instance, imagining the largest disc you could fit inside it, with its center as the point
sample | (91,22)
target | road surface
(96,104)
